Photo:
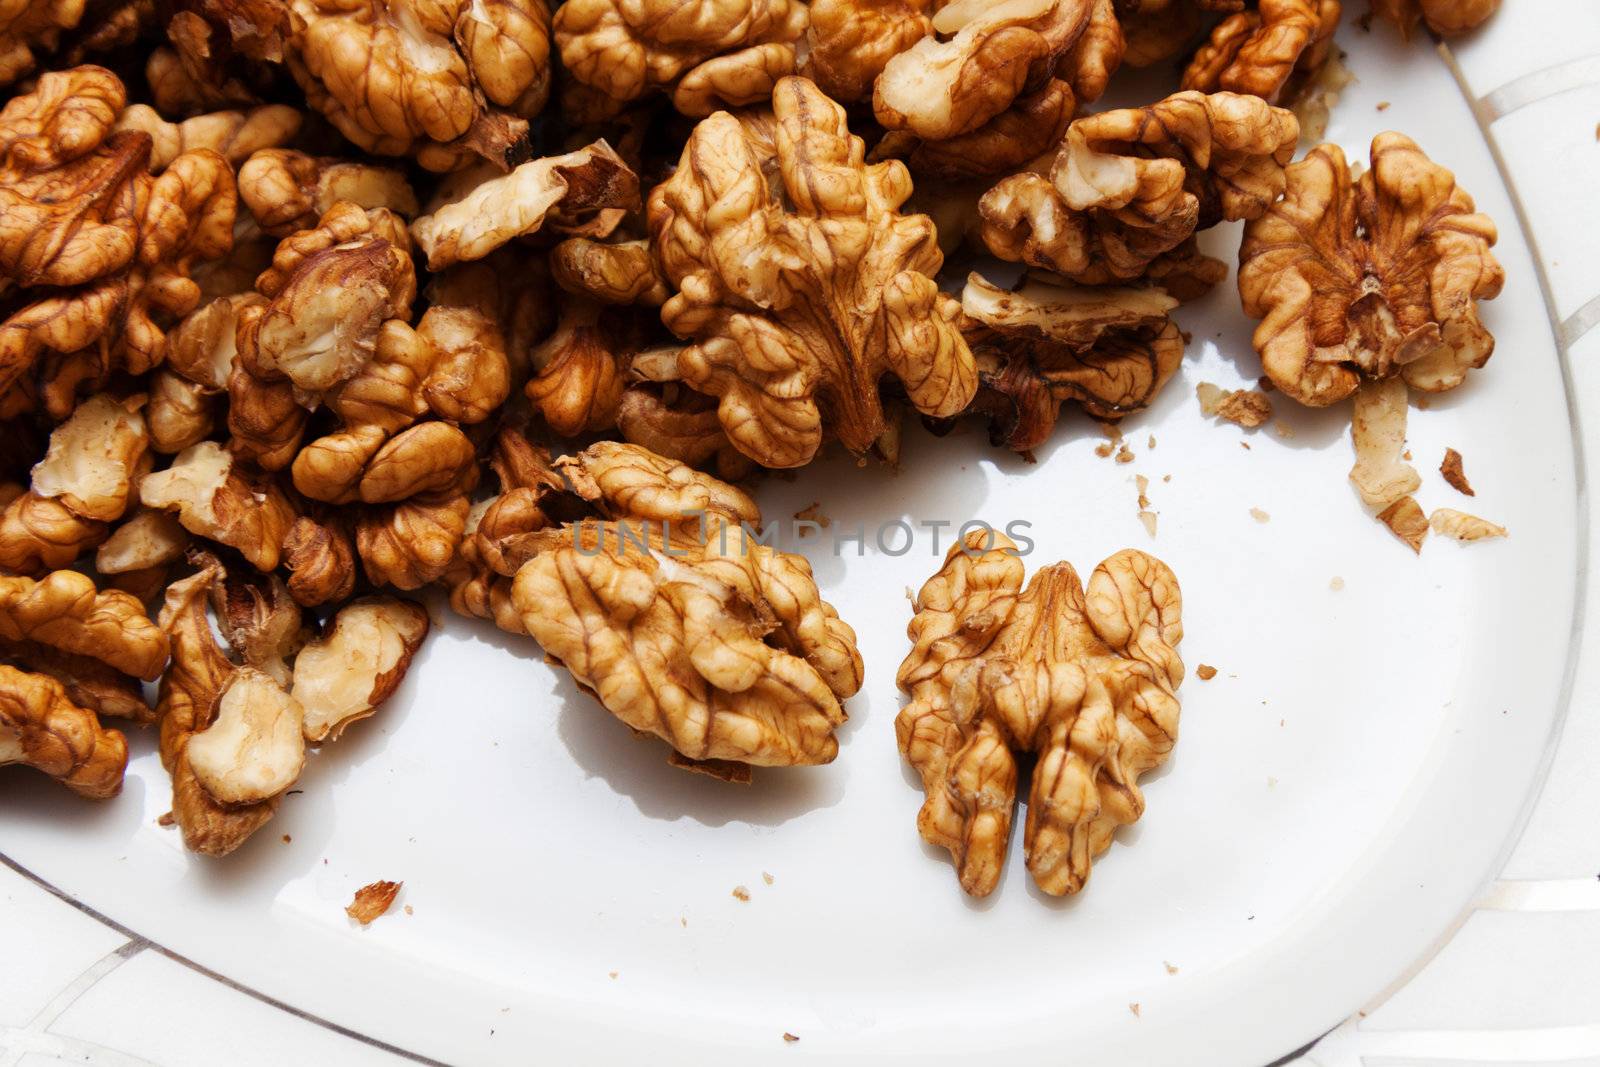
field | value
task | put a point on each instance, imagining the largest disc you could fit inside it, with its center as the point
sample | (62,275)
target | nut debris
(1450,467)
(372,900)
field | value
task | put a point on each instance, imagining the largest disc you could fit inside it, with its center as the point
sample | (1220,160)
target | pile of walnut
(299,298)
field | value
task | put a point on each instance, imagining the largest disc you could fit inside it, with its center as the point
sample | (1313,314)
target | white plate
(1339,790)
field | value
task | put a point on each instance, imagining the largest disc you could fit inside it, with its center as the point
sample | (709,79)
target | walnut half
(1084,680)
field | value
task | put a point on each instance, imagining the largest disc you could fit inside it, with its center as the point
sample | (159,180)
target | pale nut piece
(619,50)
(1357,279)
(41,727)
(1109,349)
(796,310)
(216,499)
(95,458)
(179,412)
(357,663)
(1083,679)
(253,750)
(471,373)
(287,190)
(1378,429)
(1447,18)
(146,539)
(758,661)
(591,184)
(995,52)
(1132,185)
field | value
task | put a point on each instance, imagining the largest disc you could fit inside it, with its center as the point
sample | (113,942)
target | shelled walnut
(800,300)
(287,190)
(1266,51)
(1447,18)
(447,83)
(1082,679)
(234,729)
(98,248)
(1109,349)
(1359,279)
(84,483)
(669,584)
(723,53)
(1131,186)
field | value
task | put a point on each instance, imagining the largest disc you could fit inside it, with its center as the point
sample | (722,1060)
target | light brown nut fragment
(1259,52)
(260,621)
(590,184)
(94,458)
(758,661)
(38,534)
(1249,408)
(1359,279)
(623,272)
(286,190)
(1463,527)
(357,663)
(619,50)
(218,499)
(850,41)
(1083,679)
(995,52)
(431,457)
(147,539)
(233,135)
(1444,17)
(409,544)
(64,611)
(1131,185)
(1378,428)
(252,750)
(581,369)
(447,82)
(42,728)
(372,901)
(27,29)
(1406,521)
(1453,473)
(1109,349)
(321,559)
(799,310)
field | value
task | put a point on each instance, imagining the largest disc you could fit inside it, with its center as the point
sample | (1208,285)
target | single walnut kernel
(216,498)
(1111,350)
(1447,18)
(1266,51)
(447,82)
(670,584)
(286,190)
(801,297)
(1083,679)
(41,727)
(1364,279)
(1133,185)
(721,53)
(357,663)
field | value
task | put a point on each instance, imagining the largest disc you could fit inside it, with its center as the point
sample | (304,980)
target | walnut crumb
(1123,455)
(1103,449)
(1383,105)
(1134,1007)
(1249,408)
(166,819)
(813,513)
(790,1038)
(1206,672)
(741,893)
(408,910)
(1451,469)
(1148,518)
(1336,584)
(1152,442)
(1259,515)
(1272,783)
(612,975)
(287,839)
(767,878)
(1283,431)
(372,901)
(1170,968)
(1406,521)
(1144,488)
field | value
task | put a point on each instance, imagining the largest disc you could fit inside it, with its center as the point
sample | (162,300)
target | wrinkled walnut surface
(1364,278)
(1082,679)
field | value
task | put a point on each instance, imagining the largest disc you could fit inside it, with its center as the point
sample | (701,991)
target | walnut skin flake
(1109,349)
(1447,18)
(590,184)
(1360,279)
(1084,679)
(447,82)
(800,299)
(1378,428)
(1406,521)
(758,661)
(1453,473)
(722,53)
(1133,185)
(372,901)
